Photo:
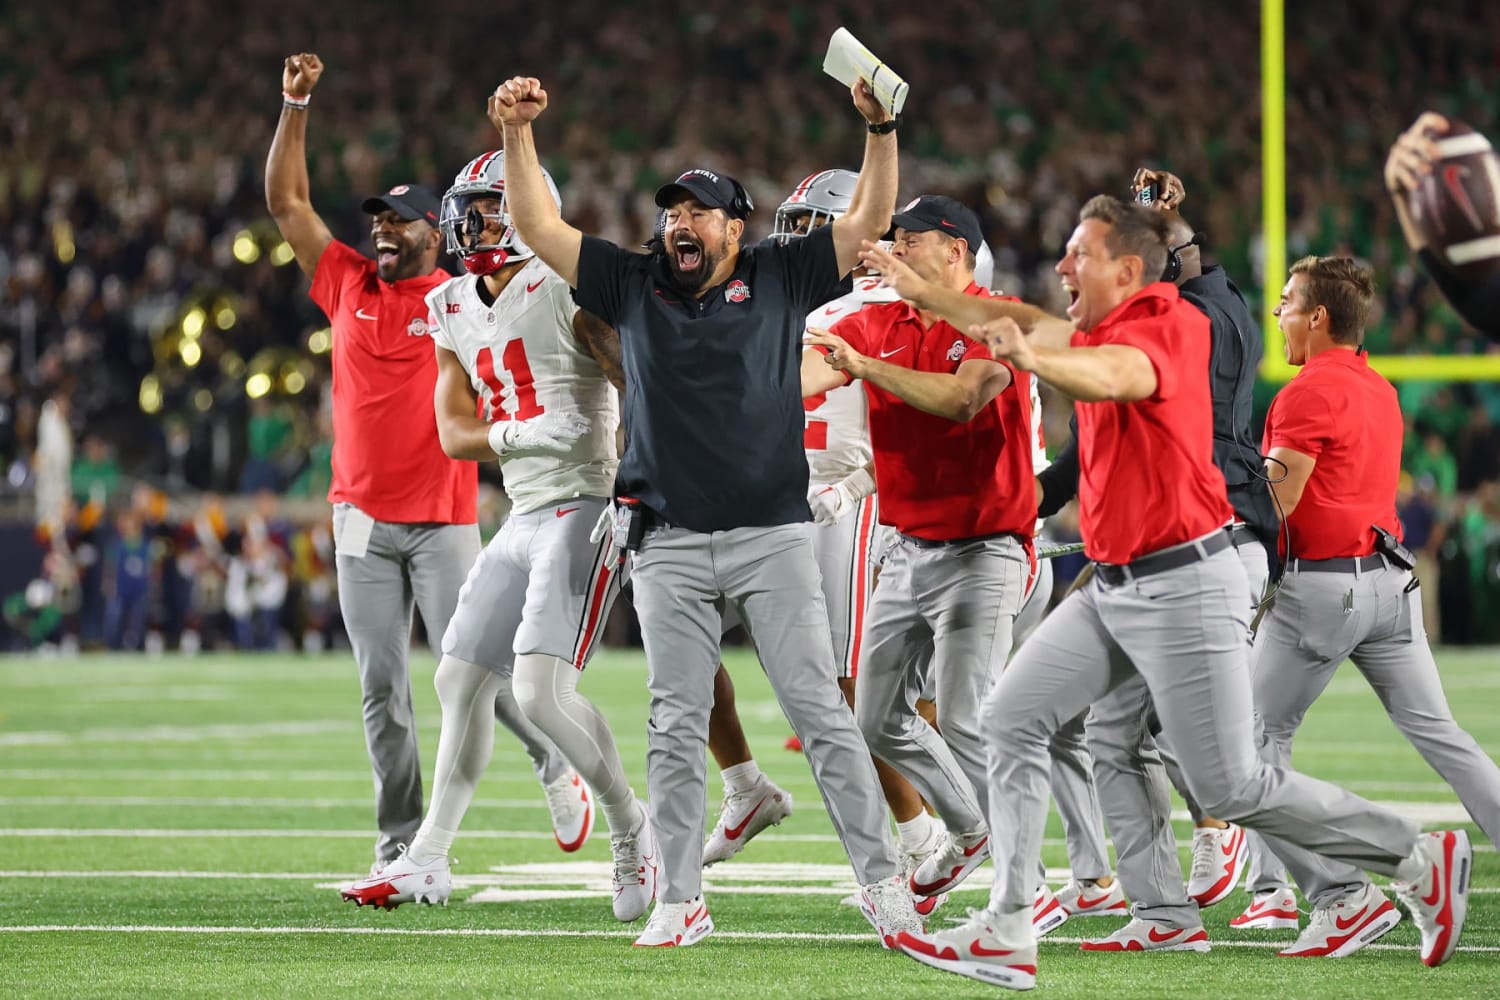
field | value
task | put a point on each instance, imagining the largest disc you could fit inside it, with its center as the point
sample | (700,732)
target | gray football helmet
(822,198)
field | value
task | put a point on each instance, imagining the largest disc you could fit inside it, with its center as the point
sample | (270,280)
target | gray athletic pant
(683,580)
(1184,631)
(1132,769)
(947,609)
(404,564)
(1321,619)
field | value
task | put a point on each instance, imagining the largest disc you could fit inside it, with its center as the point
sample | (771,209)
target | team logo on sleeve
(737,291)
(417,327)
(957,350)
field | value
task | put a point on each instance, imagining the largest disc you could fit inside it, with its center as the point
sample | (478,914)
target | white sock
(1415,866)
(916,832)
(466,693)
(547,689)
(741,777)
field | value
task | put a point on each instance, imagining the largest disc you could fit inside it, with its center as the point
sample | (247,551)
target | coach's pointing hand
(517,101)
(299,75)
(894,273)
(838,354)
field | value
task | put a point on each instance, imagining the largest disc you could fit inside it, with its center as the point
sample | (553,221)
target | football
(1457,206)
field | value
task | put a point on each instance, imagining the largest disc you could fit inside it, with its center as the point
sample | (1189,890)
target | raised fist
(300,74)
(518,100)
(1170,194)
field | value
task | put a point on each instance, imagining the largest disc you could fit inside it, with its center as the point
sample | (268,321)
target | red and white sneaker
(888,906)
(1346,926)
(402,881)
(1084,898)
(1219,858)
(1439,902)
(744,815)
(1147,935)
(635,871)
(973,950)
(677,925)
(1047,912)
(1270,910)
(912,860)
(951,863)
(572,809)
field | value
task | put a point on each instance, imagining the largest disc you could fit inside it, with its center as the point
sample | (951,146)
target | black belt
(1159,562)
(1242,534)
(934,543)
(1345,564)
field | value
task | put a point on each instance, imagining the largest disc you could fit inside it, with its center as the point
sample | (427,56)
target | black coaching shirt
(713,385)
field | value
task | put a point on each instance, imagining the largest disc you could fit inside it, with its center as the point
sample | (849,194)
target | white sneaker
(1148,935)
(951,863)
(1219,858)
(572,809)
(635,873)
(1047,913)
(1440,901)
(912,860)
(889,908)
(677,925)
(1346,926)
(1084,898)
(973,950)
(743,815)
(1270,910)
(402,881)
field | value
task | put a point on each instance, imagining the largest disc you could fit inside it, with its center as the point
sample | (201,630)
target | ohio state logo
(737,291)
(399,189)
(417,328)
(956,351)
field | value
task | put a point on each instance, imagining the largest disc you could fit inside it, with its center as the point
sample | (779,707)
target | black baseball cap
(709,187)
(410,201)
(946,215)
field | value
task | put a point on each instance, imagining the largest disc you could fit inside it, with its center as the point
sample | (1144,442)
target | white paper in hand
(848,60)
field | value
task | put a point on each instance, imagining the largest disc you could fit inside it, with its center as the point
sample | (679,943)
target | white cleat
(1270,910)
(951,863)
(677,925)
(973,950)
(890,909)
(1148,935)
(1346,926)
(572,809)
(1047,912)
(743,815)
(1084,898)
(636,866)
(1439,902)
(1219,858)
(402,881)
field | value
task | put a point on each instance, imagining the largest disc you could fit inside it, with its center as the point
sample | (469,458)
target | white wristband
(859,484)
(496,435)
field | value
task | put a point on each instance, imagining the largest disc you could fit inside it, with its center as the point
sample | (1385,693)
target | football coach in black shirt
(711,343)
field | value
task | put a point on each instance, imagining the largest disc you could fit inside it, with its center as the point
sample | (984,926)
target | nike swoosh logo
(1437,888)
(563,512)
(1232,848)
(886,354)
(535,285)
(733,833)
(696,916)
(1344,925)
(363,315)
(830,310)
(1089,904)
(969,852)
(1159,938)
(980,951)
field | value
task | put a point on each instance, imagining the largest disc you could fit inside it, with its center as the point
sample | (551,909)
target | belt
(934,543)
(1242,534)
(1345,564)
(1160,561)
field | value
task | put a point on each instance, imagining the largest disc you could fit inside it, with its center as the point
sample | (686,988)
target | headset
(1174,258)
(741,205)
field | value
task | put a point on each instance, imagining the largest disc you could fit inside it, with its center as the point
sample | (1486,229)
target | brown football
(1457,206)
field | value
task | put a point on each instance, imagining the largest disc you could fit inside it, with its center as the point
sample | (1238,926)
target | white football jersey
(837,432)
(523,361)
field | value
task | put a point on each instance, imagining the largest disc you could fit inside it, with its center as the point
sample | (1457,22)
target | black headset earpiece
(742,206)
(1174,258)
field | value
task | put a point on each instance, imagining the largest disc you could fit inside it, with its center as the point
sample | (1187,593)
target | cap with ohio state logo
(736,291)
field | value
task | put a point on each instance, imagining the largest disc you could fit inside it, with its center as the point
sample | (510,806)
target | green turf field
(178,827)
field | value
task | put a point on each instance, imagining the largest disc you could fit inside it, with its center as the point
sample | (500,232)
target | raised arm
(965,311)
(513,106)
(874,197)
(288,194)
(1410,160)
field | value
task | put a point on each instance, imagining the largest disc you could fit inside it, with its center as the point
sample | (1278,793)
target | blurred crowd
(154,330)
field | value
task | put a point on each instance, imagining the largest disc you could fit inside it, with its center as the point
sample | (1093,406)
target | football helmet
(984,266)
(463,225)
(824,196)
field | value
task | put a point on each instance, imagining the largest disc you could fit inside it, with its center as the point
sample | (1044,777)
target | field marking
(174,734)
(517,932)
(179,774)
(230,802)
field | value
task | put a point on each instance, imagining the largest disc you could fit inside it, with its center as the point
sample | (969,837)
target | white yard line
(176,734)
(228,802)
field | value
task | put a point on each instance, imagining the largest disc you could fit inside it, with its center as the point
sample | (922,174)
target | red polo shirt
(1345,416)
(1147,479)
(386,457)
(937,478)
